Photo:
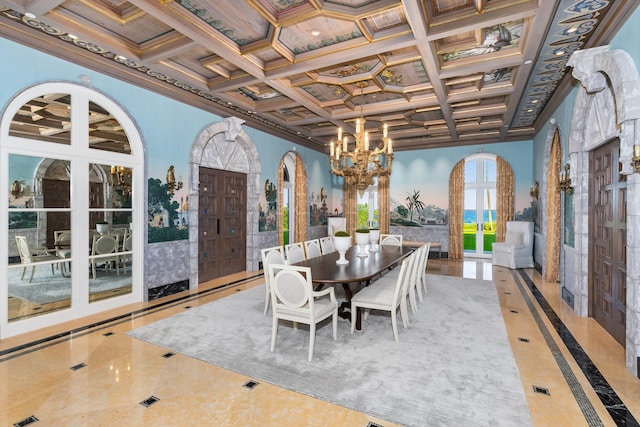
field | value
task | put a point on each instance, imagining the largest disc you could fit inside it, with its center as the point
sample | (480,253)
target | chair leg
(412,298)
(354,309)
(404,312)
(394,324)
(267,298)
(274,333)
(33,270)
(419,289)
(312,340)
(335,325)
(24,270)
(93,270)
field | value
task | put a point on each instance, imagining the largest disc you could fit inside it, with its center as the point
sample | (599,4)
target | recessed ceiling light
(315,33)
(560,53)
(572,30)
(72,36)
(527,62)
(534,101)
(529,110)
(30,15)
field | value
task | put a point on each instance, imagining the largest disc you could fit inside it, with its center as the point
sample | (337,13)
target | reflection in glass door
(479,205)
(52,268)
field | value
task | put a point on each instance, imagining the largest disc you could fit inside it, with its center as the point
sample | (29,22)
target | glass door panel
(38,274)
(110,237)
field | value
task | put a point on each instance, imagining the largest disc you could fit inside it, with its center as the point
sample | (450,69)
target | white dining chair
(295,252)
(386,295)
(326,245)
(422,271)
(391,239)
(273,255)
(312,248)
(294,299)
(28,258)
(104,249)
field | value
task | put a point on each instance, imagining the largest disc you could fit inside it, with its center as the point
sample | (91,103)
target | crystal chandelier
(360,166)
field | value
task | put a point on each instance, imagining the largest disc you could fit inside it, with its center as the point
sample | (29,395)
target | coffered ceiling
(438,72)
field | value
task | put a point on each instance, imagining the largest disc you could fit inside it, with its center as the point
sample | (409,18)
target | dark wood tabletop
(360,269)
(325,271)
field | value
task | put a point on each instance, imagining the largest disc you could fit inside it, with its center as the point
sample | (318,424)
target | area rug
(47,287)
(453,366)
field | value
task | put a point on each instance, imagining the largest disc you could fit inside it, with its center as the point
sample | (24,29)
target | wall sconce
(172,185)
(635,160)
(565,180)
(535,190)
(121,178)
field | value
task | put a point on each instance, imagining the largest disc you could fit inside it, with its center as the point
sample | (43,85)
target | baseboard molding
(168,289)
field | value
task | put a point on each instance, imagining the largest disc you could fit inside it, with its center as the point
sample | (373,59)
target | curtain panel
(456,211)
(300,201)
(553,212)
(505,196)
(383,204)
(279,207)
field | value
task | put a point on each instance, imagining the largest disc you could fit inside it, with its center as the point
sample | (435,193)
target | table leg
(344,311)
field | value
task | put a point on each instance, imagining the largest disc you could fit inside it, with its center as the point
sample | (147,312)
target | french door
(60,144)
(479,205)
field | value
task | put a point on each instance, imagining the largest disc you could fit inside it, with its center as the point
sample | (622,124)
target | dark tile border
(609,398)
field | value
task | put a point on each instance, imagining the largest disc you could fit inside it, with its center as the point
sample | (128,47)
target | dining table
(359,271)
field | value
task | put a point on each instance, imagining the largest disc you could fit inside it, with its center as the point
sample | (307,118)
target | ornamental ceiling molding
(119,59)
(572,25)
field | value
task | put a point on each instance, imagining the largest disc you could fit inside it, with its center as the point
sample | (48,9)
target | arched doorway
(503,182)
(297,198)
(224,146)
(63,184)
(606,109)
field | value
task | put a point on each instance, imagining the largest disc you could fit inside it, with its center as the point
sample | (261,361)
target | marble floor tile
(99,376)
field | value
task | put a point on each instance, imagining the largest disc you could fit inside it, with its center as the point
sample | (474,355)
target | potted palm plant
(342,243)
(362,239)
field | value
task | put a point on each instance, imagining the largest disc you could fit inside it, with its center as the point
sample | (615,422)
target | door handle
(218,225)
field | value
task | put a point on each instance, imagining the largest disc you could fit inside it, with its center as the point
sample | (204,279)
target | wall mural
(414,212)
(321,207)
(167,208)
(267,207)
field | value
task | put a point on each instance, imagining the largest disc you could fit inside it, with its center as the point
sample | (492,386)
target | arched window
(70,159)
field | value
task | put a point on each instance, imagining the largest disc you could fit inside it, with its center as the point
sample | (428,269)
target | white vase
(342,245)
(362,240)
(374,237)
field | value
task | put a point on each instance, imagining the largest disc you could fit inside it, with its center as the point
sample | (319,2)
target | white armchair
(293,299)
(517,249)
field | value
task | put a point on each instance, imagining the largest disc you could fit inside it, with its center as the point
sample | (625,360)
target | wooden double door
(222,223)
(608,250)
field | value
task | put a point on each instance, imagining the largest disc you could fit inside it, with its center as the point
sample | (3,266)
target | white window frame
(80,156)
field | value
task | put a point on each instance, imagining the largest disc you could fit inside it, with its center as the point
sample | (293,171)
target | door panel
(608,245)
(222,223)
(56,194)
